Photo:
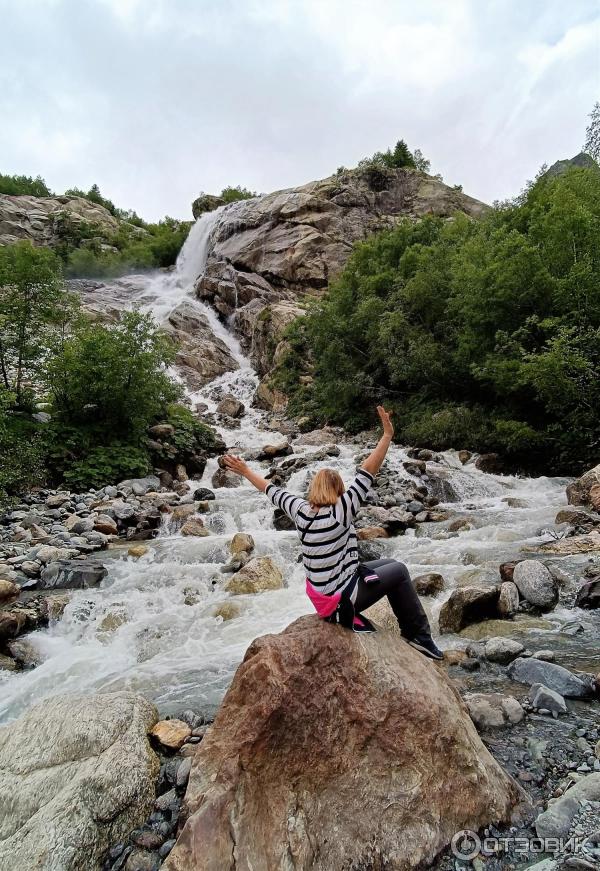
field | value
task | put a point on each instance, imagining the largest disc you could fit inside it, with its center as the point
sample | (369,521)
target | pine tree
(592,134)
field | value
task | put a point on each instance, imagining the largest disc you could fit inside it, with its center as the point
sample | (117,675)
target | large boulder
(536,584)
(42,220)
(556,821)
(72,574)
(76,775)
(578,491)
(259,574)
(333,750)
(201,355)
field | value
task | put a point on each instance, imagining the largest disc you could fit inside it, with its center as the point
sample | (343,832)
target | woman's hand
(385,418)
(236,464)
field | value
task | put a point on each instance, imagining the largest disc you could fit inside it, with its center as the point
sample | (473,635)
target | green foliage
(20,185)
(32,303)
(592,134)
(103,464)
(94,196)
(378,168)
(233,194)
(21,450)
(479,334)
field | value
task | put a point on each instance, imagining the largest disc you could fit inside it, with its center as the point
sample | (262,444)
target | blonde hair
(325,488)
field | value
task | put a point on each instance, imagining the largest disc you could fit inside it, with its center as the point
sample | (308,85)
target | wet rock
(171,734)
(137,550)
(227,611)
(536,584)
(183,773)
(541,696)
(257,575)
(429,584)
(105,524)
(230,406)
(72,574)
(579,491)
(421,740)
(142,860)
(506,571)
(493,710)
(573,517)
(368,533)
(458,524)
(467,605)
(555,677)
(140,486)
(589,543)
(77,776)
(194,526)
(503,650)
(24,653)
(242,542)
(546,655)
(508,599)
(78,525)
(204,494)
(7,663)
(464,456)
(588,595)
(281,449)
(369,550)
(225,478)
(555,822)
(489,463)
(281,521)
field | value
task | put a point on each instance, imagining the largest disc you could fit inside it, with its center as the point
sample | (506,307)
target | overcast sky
(157,100)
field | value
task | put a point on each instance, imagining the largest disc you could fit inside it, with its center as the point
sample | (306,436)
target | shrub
(233,194)
(19,185)
(107,464)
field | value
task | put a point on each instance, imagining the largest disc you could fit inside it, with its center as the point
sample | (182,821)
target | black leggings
(395,583)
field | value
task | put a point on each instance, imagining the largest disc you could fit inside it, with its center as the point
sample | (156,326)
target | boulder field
(336,750)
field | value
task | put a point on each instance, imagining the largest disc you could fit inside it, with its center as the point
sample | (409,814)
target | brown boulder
(429,584)
(194,526)
(8,590)
(468,605)
(368,533)
(579,491)
(337,751)
(488,463)
(171,733)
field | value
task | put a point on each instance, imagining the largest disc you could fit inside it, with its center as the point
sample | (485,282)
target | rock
(123,511)
(43,220)
(464,456)
(555,822)
(489,463)
(458,524)
(227,611)
(140,486)
(24,653)
(171,734)
(225,478)
(58,499)
(242,542)
(105,524)
(546,655)
(281,521)
(579,491)
(259,574)
(368,533)
(555,677)
(429,584)
(204,494)
(78,525)
(503,650)
(8,590)
(588,595)
(206,203)
(268,452)
(262,327)
(508,599)
(7,663)
(230,406)
(141,860)
(78,775)
(72,574)
(194,526)
(137,550)
(401,731)
(541,696)
(573,517)
(507,571)
(183,512)
(536,584)
(202,356)
(162,431)
(595,497)
(493,710)
(574,544)
(467,605)
(183,773)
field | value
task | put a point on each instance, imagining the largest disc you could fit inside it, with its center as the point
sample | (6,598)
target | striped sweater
(328,537)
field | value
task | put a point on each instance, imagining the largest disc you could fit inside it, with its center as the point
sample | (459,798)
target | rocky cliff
(42,220)
(271,251)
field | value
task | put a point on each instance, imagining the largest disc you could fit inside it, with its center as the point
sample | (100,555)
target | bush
(107,464)
(21,451)
(233,194)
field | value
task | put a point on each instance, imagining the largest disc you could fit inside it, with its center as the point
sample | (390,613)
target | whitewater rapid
(152,627)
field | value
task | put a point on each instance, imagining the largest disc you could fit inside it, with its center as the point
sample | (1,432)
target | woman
(337,584)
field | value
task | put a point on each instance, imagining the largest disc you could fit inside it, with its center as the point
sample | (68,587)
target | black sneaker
(426,645)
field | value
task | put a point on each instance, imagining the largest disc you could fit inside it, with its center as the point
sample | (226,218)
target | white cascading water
(152,626)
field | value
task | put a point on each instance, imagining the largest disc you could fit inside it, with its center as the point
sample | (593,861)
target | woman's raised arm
(373,462)
(240,467)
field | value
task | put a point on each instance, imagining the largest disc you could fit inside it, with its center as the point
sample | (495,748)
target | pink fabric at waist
(324,605)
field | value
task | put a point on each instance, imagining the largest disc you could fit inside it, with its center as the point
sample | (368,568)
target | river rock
(171,734)
(194,526)
(105,524)
(8,590)
(489,463)
(79,525)
(536,584)
(162,431)
(242,542)
(231,406)
(467,605)
(226,478)
(140,486)
(578,491)
(429,584)
(259,574)
(56,500)
(555,677)
(555,822)
(508,599)
(493,710)
(589,543)
(390,721)
(368,533)
(588,595)
(280,449)
(541,696)
(203,494)
(72,574)
(137,550)
(77,775)
(503,650)
(227,611)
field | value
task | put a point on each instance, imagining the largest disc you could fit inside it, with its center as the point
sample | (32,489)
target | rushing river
(151,625)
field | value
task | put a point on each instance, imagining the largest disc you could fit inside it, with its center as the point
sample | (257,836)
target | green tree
(232,194)
(19,185)
(32,302)
(592,134)
(420,161)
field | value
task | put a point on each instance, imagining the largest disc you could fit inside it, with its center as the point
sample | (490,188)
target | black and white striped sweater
(328,537)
